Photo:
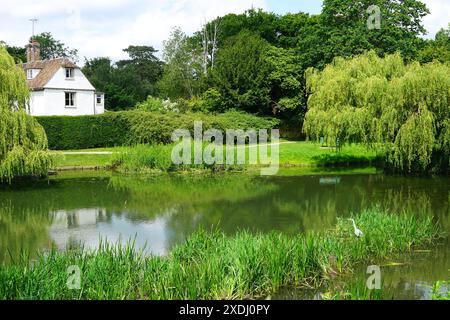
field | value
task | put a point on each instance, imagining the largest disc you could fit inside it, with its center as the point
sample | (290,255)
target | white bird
(358,232)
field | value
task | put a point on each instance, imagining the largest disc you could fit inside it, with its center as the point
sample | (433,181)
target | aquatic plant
(441,290)
(211,265)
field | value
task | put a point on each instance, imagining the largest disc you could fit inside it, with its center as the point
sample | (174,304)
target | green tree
(23,143)
(405,109)
(183,67)
(128,81)
(343,28)
(19,54)
(286,83)
(52,48)
(437,49)
(241,74)
(145,65)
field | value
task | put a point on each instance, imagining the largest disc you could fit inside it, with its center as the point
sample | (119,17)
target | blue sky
(104,27)
(284,6)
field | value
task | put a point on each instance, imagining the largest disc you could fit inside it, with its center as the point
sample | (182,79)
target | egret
(358,232)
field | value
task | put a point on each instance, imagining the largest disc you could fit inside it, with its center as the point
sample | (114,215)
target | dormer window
(69,73)
(30,74)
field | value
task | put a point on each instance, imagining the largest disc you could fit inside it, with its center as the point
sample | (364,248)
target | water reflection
(160,212)
(87,227)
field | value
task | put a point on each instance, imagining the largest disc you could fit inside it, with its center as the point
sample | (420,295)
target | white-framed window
(98,98)
(70,73)
(70,99)
(29,74)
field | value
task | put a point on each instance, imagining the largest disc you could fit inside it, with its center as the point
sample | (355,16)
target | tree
(143,62)
(52,48)
(23,142)
(404,109)
(343,28)
(19,54)
(437,49)
(286,82)
(241,73)
(128,81)
(183,67)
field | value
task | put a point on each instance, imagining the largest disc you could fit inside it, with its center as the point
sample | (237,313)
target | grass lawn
(308,153)
(291,154)
(82,160)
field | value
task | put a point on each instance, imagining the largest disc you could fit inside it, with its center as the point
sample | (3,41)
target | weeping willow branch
(23,142)
(382,101)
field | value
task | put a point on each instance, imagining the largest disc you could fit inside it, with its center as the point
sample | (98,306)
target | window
(69,73)
(30,74)
(99,99)
(70,99)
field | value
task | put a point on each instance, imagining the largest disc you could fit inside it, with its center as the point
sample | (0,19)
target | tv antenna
(33,22)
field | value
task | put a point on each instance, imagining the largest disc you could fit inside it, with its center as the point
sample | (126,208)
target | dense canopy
(23,142)
(405,108)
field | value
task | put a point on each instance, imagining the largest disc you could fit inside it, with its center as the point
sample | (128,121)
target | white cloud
(105,27)
(439,16)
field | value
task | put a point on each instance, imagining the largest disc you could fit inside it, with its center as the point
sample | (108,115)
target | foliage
(19,54)
(241,74)
(210,101)
(441,290)
(158,105)
(343,31)
(52,48)
(83,132)
(126,82)
(23,143)
(382,102)
(182,70)
(216,266)
(437,49)
(137,127)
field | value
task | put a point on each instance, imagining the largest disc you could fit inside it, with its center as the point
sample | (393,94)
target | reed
(212,265)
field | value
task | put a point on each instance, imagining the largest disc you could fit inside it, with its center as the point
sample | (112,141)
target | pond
(73,210)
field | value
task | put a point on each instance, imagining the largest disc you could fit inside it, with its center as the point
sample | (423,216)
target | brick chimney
(33,51)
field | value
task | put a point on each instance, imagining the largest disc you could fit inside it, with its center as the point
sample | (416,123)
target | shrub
(83,132)
(157,105)
(138,127)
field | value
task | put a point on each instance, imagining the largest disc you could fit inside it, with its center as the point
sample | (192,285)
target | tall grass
(216,266)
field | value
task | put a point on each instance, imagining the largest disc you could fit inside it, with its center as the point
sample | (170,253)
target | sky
(104,27)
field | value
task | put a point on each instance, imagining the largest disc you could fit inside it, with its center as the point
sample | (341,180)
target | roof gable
(48,70)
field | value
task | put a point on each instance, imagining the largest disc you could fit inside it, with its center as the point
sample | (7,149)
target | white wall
(52,102)
(79,81)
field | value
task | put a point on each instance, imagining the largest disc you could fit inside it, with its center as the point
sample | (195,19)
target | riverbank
(292,154)
(216,266)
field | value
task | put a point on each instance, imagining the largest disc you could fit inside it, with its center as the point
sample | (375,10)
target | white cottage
(58,87)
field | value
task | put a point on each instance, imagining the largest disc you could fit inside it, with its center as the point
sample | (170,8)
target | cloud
(439,16)
(105,27)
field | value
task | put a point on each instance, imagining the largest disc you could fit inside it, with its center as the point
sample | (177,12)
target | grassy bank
(216,266)
(141,158)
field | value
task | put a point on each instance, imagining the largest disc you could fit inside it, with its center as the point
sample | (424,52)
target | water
(78,209)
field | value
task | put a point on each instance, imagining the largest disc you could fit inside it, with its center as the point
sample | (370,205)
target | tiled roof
(48,69)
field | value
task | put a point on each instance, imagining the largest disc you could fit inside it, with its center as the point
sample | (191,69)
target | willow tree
(23,142)
(381,102)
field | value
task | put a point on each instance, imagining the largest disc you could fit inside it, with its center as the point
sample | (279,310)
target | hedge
(136,127)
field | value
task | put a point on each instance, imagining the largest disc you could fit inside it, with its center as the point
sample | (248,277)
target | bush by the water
(23,144)
(383,102)
(138,127)
(216,266)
